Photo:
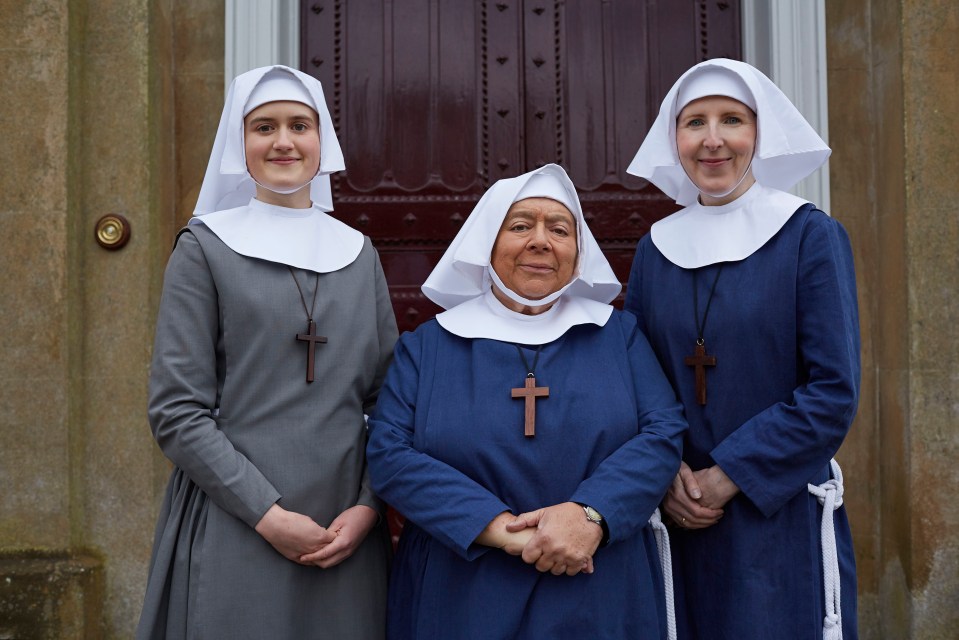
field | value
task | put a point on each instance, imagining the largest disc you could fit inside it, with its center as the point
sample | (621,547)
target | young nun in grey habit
(274,334)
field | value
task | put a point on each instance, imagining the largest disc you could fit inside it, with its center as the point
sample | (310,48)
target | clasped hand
(300,539)
(695,499)
(558,539)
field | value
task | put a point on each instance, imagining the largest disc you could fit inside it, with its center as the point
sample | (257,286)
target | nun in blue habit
(748,298)
(528,435)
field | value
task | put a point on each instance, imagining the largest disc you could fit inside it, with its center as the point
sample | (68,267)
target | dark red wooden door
(436,99)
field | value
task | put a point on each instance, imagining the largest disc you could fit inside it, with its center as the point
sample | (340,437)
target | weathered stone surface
(199,95)
(34,464)
(931,101)
(34,358)
(90,97)
(50,596)
(894,114)
(34,88)
(935,605)
(853,186)
(122,164)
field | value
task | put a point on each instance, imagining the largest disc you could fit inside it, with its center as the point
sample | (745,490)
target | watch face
(593,514)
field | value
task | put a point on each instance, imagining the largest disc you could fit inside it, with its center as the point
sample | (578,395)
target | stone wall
(893,120)
(38,349)
(931,102)
(108,108)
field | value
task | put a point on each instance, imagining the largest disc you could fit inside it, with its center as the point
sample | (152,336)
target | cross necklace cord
(530,392)
(699,359)
(310,335)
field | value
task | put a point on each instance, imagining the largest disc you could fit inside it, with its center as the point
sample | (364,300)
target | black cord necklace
(699,359)
(530,391)
(310,335)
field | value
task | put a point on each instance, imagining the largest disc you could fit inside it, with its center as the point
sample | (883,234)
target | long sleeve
(387,333)
(629,484)
(772,455)
(446,503)
(183,390)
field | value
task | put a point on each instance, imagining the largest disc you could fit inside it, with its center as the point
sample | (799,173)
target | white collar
(486,317)
(303,238)
(698,236)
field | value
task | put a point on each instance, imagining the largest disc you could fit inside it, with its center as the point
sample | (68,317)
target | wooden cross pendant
(311,337)
(531,392)
(700,360)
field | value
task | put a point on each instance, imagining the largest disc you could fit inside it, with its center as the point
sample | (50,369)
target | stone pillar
(37,347)
(930,31)
(92,89)
(120,151)
(50,595)
(894,116)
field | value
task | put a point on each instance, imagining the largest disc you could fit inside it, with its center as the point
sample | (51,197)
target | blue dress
(446,448)
(784,329)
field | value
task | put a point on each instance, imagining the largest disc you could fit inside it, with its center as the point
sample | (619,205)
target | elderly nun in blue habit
(527,434)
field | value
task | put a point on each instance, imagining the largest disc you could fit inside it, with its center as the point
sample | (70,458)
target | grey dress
(230,407)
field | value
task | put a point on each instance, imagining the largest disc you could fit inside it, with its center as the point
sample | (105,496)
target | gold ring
(683,521)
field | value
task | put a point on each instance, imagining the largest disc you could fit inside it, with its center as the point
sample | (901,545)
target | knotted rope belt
(666,561)
(829,495)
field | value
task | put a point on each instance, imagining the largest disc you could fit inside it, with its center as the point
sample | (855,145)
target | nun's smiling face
(715,137)
(282,143)
(535,251)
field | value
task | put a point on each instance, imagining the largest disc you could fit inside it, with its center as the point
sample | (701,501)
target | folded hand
(350,529)
(292,534)
(685,503)
(564,541)
(497,536)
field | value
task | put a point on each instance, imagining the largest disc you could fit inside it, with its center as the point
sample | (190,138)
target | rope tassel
(829,495)
(666,561)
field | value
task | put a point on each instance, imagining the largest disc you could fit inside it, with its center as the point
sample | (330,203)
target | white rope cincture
(829,495)
(666,561)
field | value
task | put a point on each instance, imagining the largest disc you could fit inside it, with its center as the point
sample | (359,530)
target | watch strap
(601,522)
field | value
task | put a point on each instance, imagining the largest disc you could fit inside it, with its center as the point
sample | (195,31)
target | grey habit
(226,340)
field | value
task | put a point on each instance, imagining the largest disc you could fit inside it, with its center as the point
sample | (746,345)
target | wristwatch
(595,516)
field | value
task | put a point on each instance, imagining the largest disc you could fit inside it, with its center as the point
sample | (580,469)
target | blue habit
(784,329)
(446,448)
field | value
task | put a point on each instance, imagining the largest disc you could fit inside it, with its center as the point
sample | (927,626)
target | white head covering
(276,85)
(461,282)
(227,183)
(787,150)
(719,81)
(304,238)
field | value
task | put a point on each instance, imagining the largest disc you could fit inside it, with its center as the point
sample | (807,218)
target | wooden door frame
(787,40)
